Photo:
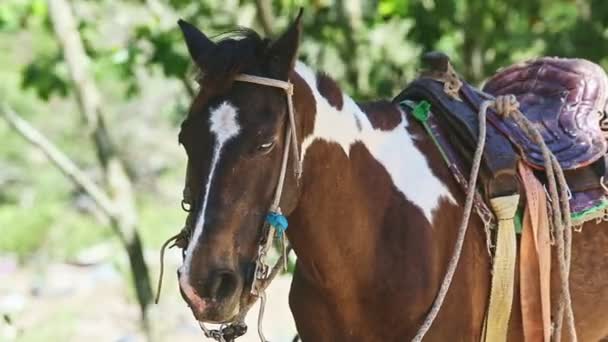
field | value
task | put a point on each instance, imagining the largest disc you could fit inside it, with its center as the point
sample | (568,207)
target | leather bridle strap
(288,88)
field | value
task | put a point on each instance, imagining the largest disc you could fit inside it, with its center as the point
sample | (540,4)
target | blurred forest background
(107,82)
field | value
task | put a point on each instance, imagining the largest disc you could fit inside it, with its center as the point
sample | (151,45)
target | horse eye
(266,147)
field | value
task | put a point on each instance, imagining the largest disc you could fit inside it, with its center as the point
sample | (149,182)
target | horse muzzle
(214,299)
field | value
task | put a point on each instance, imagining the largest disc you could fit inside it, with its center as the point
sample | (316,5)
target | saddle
(563,98)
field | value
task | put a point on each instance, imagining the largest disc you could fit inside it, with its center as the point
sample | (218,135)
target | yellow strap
(501,295)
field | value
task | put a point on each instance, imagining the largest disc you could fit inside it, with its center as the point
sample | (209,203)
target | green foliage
(482,36)
(167,50)
(51,227)
(372,48)
(42,219)
(23,232)
(392,8)
(60,327)
(580,31)
(45,77)
(14,13)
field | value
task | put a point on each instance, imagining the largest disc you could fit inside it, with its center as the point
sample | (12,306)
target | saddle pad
(564,99)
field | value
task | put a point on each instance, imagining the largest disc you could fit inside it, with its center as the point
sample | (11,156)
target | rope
(507,106)
(468,206)
(279,189)
(162,264)
(261,316)
(273,273)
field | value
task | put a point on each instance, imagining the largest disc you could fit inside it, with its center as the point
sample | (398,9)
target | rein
(462,229)
(275,223)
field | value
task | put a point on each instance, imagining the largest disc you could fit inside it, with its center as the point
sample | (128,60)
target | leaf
(42,76)
(39,8)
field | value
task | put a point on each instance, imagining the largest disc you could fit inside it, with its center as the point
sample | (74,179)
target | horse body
(373,218)
(588,281)
(371,250)
(374,230)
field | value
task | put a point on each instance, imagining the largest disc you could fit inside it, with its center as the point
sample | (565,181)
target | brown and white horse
(373,218)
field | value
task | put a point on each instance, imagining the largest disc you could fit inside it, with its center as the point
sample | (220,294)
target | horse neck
(362,162)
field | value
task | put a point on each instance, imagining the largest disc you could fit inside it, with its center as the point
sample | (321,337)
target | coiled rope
(508,107)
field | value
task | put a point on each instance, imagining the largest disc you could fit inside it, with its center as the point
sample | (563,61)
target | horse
(372,216)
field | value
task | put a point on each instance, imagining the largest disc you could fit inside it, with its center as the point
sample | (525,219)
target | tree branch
(189,88)
(167,18)
(265,16)
(118,183)
(348,51)
(61,161)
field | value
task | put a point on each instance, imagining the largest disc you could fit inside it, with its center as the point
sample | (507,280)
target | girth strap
(535,261)
(503,271)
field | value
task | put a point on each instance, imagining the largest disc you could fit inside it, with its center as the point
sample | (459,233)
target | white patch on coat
(223,126)
(394,150)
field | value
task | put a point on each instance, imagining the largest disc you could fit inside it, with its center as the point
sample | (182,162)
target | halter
(275,222)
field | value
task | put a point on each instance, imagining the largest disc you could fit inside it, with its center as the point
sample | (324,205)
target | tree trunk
(473,45)
(265,15)
(348,51)
(117,181)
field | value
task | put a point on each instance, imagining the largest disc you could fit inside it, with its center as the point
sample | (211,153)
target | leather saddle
(563,98)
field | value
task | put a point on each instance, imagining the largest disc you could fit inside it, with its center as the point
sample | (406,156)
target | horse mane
(234,52)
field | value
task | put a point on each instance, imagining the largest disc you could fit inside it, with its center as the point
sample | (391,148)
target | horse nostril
(222,284)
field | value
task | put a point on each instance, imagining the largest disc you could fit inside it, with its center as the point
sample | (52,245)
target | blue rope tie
(277,221)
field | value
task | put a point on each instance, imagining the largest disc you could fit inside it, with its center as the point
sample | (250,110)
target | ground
(42,301)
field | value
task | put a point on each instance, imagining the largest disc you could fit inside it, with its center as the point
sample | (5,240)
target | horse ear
(283,52)
(198,44)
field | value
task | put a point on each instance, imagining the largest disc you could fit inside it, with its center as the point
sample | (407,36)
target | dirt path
(64,302)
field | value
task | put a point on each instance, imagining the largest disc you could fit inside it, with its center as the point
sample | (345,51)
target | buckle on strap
(226,333)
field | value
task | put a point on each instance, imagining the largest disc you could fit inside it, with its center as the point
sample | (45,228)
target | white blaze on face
(223,126)
(394,150)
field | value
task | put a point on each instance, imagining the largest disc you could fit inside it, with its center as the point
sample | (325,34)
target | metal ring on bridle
(186,206)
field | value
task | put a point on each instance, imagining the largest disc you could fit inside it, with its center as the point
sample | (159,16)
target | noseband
(275,223)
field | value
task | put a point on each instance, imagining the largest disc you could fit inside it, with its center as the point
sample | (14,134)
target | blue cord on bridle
(277,221)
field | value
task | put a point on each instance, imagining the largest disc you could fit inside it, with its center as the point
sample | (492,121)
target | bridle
(275,223)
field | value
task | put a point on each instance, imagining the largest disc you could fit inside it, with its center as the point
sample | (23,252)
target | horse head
(234,137)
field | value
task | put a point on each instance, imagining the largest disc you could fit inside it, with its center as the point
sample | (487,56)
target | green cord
(421,111)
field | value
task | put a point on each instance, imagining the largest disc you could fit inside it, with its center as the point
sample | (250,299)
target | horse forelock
(382,128)
(234,52)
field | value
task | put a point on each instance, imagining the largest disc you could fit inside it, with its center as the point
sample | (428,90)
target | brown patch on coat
(354,201)
(383,115)
(330,91)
